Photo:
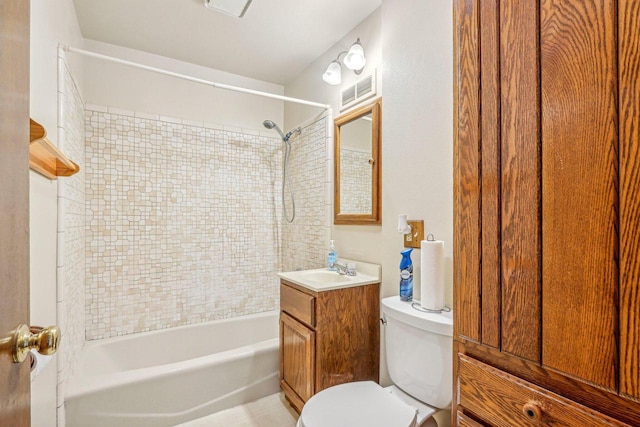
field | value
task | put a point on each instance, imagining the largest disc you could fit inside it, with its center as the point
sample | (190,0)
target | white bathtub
(168,377)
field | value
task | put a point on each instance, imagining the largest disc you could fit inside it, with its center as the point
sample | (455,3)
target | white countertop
(321,279)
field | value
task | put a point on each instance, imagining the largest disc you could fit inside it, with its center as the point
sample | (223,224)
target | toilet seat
(357,404)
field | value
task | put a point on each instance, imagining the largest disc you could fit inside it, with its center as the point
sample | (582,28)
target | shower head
(271,125)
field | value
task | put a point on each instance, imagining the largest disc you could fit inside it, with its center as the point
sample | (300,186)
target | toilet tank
(418,349)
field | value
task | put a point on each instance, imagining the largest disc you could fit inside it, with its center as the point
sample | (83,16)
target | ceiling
(274,41)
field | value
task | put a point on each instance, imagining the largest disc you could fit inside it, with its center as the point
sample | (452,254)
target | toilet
(418,349)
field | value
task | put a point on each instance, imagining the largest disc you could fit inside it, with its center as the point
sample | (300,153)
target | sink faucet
(349,269)
(340,268)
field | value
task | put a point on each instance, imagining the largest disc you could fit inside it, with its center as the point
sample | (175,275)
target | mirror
(357,166)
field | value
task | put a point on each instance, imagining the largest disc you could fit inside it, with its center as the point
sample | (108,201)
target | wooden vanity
(327,337)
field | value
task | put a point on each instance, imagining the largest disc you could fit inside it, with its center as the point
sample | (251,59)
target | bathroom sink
(322,279)
(324,276)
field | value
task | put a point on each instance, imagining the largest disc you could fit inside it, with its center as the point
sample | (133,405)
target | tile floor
(270,411)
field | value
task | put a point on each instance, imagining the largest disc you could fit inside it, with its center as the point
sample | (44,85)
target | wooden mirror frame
(375,217)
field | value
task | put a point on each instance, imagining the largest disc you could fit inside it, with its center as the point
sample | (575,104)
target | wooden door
(629,132)
(580,187)
(547,185)
(14,203)
(297,359)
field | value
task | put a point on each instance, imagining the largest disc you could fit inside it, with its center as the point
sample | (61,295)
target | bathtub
(168,377)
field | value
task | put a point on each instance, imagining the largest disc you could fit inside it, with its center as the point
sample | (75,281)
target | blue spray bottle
(406,276)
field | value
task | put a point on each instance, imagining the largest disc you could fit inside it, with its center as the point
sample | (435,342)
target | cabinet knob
(532,411)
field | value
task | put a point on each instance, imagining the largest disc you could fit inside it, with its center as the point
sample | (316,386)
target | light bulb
(355,59)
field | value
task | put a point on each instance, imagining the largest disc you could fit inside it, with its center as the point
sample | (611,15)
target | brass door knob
(43,340)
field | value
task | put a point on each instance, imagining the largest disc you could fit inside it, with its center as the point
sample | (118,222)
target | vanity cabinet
(547,211)
(327,338)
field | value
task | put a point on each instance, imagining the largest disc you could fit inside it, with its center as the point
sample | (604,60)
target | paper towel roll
(432,274)
(38,363)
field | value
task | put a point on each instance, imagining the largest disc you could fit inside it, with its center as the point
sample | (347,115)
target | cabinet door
(297,359)
(497,176)
(538,189)
(580,189)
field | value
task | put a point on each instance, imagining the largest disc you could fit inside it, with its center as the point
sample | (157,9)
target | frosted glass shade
(355,59)
(333,75)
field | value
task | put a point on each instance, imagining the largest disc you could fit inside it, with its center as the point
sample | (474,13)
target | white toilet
(419,352)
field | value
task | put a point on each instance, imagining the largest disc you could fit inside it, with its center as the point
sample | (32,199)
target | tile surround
(305,241)
(355,174)
(71,232)
(183,221)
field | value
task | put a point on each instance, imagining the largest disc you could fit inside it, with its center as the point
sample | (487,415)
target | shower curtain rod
(190,78)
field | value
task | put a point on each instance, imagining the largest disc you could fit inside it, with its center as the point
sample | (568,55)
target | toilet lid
(356,404)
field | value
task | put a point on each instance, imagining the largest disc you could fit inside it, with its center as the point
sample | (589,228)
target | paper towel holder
(417,306)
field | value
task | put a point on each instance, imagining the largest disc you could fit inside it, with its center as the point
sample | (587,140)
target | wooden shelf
(45,158)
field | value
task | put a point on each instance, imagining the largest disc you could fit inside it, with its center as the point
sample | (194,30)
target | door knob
(22,339)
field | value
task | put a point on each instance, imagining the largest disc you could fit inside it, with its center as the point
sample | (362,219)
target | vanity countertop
(321,279)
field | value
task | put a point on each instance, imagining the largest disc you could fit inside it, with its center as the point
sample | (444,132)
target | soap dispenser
(332,257)
(406,276)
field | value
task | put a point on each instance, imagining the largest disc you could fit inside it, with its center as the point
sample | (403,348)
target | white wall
(309,84)
(410,41)
(121,86)
(416,66)
(417,130)
(52,22)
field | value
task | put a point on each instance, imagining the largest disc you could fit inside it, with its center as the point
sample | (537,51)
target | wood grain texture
(375,216)
(467,229)
(14,204)
(520,181)
(580,189)
(297,359)
(629,107)
(465,421)
(347,335)
(503,400)
(298,304)
(490,122)
(607,402)
(345,341)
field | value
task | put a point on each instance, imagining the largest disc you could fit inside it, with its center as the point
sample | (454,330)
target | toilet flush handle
(383,321)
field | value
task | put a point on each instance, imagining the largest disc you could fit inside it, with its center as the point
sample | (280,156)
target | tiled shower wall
(306,239)
(355,174)
(183,221)
(71,229)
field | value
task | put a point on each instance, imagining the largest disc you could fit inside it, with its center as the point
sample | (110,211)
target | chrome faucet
(340,268)
(349,269)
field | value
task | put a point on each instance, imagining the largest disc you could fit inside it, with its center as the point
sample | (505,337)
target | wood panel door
(297,358)
(547,193)
(580,186)
(14,204)
(629,132)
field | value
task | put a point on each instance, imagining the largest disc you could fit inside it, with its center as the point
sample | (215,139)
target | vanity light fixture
(236,8)
(354,60)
